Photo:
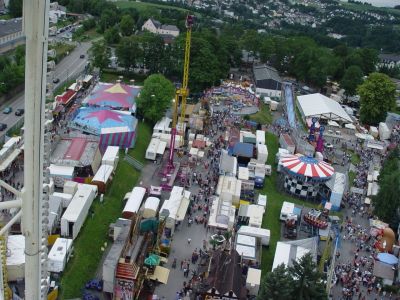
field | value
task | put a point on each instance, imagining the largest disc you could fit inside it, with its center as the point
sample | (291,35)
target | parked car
(94,284)
(7,110)
(56,80)
(19,112)
(82,56)
(3,126)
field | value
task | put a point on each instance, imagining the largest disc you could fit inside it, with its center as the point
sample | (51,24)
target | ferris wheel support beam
(36,23)
(11,222)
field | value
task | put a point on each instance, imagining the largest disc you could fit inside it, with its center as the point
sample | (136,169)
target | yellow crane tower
(181,92)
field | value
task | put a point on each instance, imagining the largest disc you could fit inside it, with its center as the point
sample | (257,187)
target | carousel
(304,175)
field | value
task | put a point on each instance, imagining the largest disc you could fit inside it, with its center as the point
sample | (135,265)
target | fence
(133,162)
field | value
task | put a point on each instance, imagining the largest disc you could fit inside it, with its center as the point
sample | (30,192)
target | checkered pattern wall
(300,189)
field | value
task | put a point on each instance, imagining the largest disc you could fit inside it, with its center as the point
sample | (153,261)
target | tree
(15,8)
(126,25)
(108,19)
(152,46)
(100,55)
(307,283)
(155,97)
(377,97)
(352,78)
(277,285)
(128,52)
(389,189)
(111,35)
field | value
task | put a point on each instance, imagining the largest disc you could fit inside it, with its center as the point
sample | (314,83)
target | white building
(56,12)
(156,27)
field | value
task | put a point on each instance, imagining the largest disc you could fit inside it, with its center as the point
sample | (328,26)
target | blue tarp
(243,150)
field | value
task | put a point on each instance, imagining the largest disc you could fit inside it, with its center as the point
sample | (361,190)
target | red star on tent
(104,115)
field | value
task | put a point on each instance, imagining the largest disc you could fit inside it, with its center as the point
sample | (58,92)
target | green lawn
(263,116)
(352,176)
(93,235)
(355,158)
(5,17)
(110,76)
(142,142)
(275,199)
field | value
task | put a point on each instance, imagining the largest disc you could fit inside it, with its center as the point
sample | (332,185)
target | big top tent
(116,96)
(308,168)
(93,120)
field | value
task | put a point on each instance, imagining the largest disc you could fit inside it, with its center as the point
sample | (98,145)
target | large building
(11,34)
(267,80)
(157,28)
(322,107)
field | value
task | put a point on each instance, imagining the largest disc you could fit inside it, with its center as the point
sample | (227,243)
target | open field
(93,235)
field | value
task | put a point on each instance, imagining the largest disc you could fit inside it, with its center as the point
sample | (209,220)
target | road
(66,69)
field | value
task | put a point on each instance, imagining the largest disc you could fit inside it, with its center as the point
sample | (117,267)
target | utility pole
(36,19)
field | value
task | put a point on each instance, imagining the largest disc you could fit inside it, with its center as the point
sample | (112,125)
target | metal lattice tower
(33,198)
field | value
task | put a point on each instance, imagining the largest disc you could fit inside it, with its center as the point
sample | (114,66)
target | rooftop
(263,72)
(8,27)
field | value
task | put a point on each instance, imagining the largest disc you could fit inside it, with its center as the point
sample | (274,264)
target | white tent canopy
(320,106)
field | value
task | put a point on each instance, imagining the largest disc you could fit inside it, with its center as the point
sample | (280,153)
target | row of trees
(301,281)
(210,59)
(303,58)
(387,202)
(12,70)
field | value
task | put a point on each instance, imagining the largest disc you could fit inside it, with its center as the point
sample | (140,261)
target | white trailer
(55,210)
(111,156)
(262,153)
(60,174)
(287,210)
(156,147)
(260,137)
(70,187)
(135,199)
(261,233)
(59,255)
(75,215)
(150,207)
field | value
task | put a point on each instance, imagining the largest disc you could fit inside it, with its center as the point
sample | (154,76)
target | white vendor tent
(75,215)
(222,214)
(111,156)
(229,188)
(260,137)
(150,207)
(373,189)
(254,212)
(135,199)
(320,106)
(174,209)
(59,255)
(15,260)
(288,251)
(262,200)
(261,233)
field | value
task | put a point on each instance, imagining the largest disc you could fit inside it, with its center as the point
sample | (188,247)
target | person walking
(189,240)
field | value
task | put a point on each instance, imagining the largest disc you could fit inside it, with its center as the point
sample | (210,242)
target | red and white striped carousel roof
(307,166)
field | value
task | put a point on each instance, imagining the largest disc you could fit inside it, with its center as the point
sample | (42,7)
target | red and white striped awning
(307,166)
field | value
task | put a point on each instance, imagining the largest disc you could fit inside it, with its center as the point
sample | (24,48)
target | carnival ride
(170,171)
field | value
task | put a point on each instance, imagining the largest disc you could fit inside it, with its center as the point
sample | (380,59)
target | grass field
(263,116)
(355,158)
(62,50)
(93,235)
(275,199)
(145,6)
